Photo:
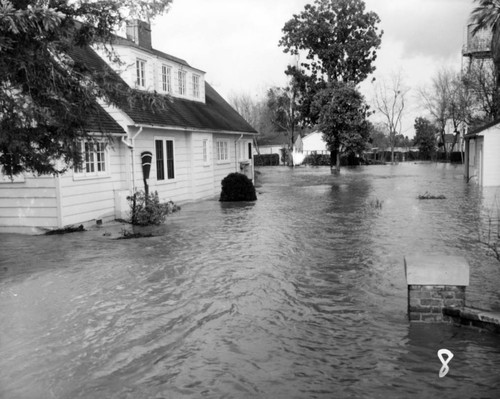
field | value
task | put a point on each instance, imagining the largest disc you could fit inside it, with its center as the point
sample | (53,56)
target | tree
(487,16)
(283,111)
(390,102)
(46,93)
(425,137)
(437,101)
(479,79)
(343,120)
(339,39)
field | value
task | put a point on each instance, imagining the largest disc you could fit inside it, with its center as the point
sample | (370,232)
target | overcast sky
(236,41)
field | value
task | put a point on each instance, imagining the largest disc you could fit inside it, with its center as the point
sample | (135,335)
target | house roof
(213,115)
(480,129)
(275,139)
(102,122)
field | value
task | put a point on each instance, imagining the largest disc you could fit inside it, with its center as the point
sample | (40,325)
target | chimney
(140,33)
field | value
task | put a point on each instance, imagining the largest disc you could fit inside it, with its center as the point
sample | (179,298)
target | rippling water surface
(299,295)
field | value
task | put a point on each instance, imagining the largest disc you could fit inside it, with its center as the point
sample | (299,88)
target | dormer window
(141,72)
(181,75)
(166,77)
(196,86)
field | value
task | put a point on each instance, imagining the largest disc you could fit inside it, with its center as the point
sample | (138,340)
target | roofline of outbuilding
(478,130)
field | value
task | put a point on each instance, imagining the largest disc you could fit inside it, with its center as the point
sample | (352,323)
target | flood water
(301,294)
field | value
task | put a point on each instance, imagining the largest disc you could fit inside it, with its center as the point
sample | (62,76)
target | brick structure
(434,283)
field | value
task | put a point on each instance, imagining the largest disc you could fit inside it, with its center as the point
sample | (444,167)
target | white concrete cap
(436,270)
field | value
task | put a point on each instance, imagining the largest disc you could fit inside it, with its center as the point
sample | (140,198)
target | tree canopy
(46,95)
(425,137)
(339,38)
(343,119)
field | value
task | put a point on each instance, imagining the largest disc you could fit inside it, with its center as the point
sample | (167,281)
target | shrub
(266,159)
(237,187)
(149,211)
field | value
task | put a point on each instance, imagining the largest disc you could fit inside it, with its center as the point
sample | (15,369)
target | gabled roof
(213,115)
(480,129)
(274,140)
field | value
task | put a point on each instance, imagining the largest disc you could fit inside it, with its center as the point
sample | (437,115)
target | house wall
(28,205)
(86,199)
(473,159)
(491,151)
(314,143)
(194,178)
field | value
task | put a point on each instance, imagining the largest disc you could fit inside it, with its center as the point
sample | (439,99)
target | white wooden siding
(491,155)
(28,205)
(86,200)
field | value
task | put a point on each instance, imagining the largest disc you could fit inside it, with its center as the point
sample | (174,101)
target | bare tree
(390,101)
(437,100)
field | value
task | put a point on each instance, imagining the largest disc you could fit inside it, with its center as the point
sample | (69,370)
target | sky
(236,43)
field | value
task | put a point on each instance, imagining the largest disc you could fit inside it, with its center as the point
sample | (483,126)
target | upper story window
(140,66)
(181,76)
(166,78)
(95,160)
(196,86)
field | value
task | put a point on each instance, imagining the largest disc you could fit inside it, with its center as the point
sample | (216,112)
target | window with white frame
(222,150)
(165,160)
(206,153)
(166,78)
(140,66)
(196,86)
(181,78)
(94,160)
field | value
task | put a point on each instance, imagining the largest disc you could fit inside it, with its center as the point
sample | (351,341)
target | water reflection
(300,294)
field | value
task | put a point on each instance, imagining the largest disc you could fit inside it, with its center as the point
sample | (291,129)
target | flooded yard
(301,294)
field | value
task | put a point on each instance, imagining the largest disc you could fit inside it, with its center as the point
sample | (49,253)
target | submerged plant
(148,210)
(237,187)
(428,196)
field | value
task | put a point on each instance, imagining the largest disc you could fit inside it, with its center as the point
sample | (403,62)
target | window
(166,78)
(181,76)
(222,151)
(196,86)
(141,72)
(249,150)
(206,155)
(165,165)
(94,162)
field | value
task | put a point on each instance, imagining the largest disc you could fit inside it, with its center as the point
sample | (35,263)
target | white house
(311,143)
(195,143)
(482,155)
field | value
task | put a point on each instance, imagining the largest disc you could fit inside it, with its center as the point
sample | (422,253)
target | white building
(195,143)
(482,155)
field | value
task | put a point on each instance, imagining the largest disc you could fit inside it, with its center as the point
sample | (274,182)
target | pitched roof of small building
(213,115)
(480,129)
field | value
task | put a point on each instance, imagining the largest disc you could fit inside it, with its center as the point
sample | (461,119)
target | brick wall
(426,302)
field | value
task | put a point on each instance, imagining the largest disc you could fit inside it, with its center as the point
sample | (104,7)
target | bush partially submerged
(237,187)
(428,196)
(146,211)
